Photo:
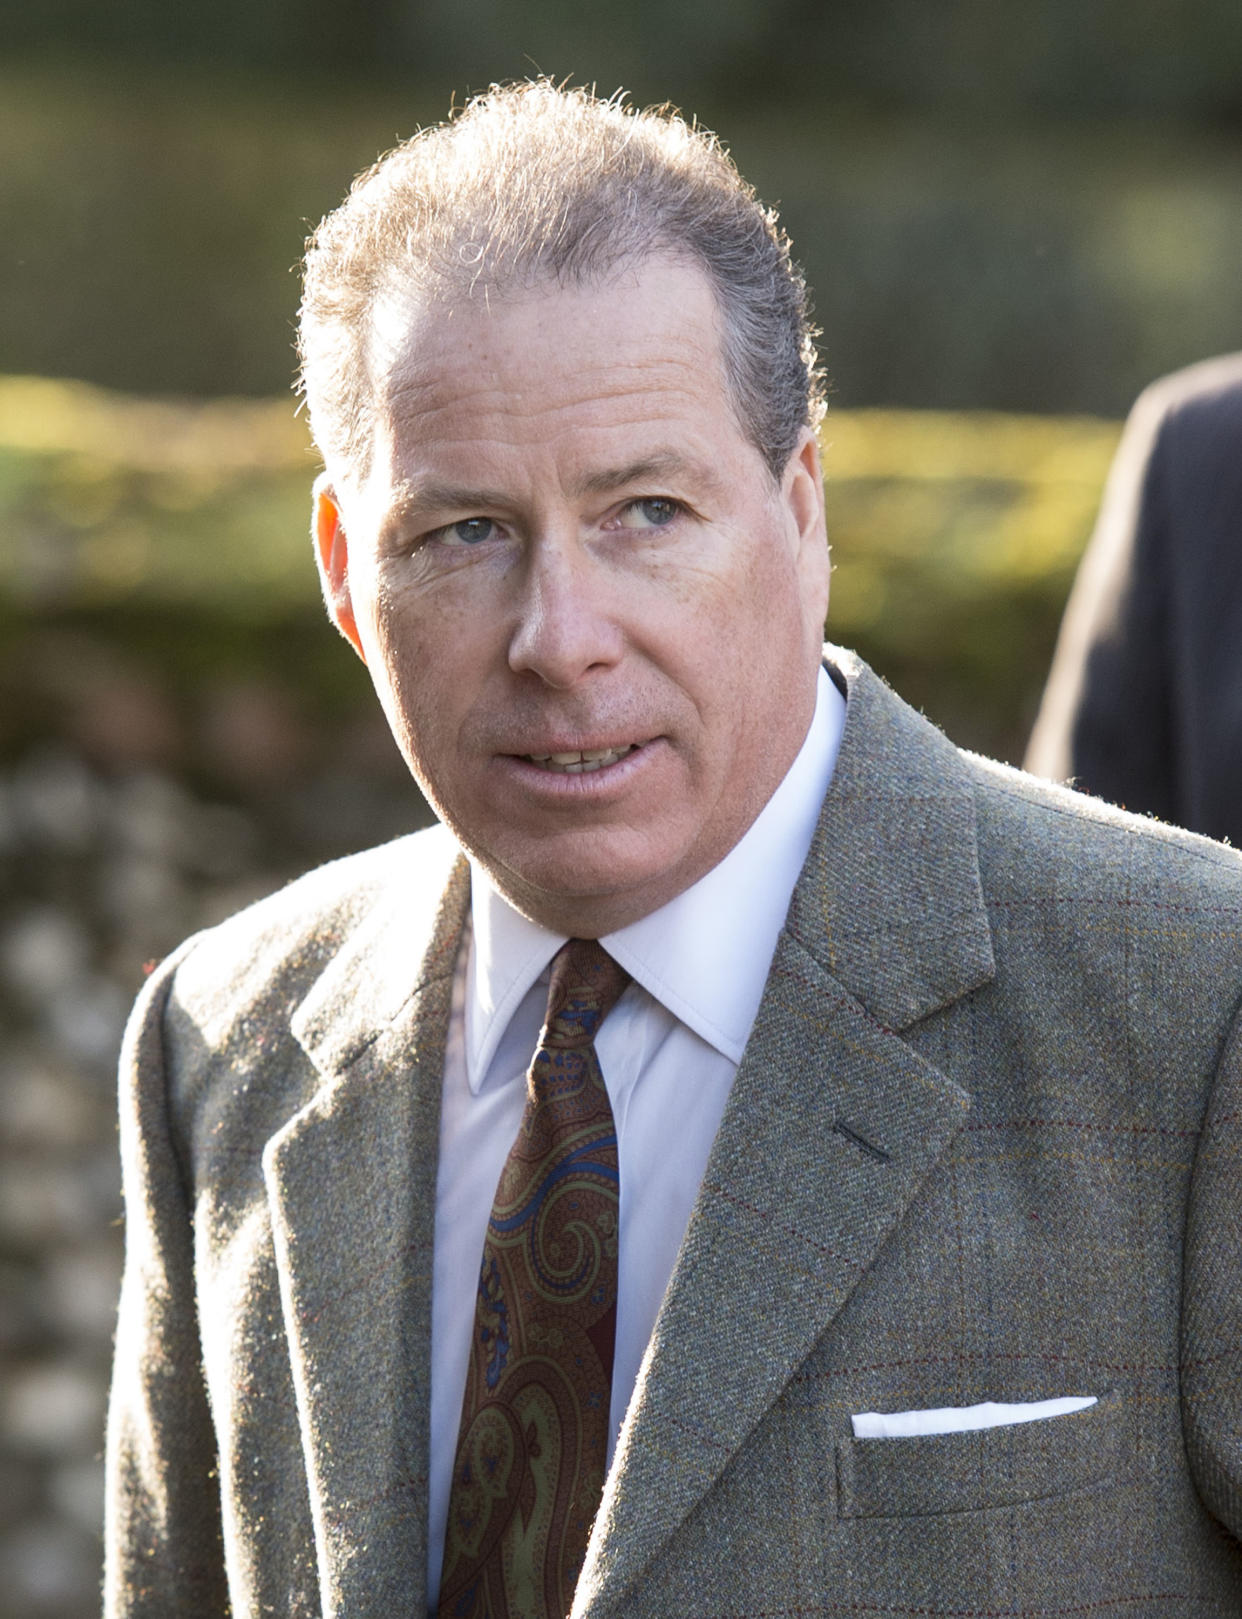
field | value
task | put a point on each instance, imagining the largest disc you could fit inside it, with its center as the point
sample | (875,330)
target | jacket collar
(351,1192)
(402,945)
(890,901)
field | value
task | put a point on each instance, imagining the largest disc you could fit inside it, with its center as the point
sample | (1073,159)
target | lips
(580,761)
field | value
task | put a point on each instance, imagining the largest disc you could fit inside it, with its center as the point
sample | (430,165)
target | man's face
(592,617)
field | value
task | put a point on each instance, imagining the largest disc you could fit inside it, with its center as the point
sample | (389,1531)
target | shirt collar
(705,955)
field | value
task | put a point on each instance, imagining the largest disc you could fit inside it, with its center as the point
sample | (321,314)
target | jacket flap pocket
(988,1467)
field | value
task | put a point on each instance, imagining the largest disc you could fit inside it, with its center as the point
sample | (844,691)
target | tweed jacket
(1143,704)
(983,1145)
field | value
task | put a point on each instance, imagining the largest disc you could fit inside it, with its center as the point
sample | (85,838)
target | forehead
(561,371)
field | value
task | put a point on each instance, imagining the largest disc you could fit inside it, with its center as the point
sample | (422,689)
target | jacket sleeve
(162,1523)
(1211,1348)
(1104,719)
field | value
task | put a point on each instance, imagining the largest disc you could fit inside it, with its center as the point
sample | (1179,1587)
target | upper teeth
(581,759)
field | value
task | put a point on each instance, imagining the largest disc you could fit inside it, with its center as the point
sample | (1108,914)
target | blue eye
(469,531)
(659,511)
(653,511)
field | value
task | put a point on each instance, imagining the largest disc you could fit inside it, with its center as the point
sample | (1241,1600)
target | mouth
(581,761)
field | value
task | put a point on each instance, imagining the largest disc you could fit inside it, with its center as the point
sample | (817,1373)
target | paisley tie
(533,1444)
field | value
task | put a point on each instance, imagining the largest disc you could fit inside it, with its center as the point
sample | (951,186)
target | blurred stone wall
(102,872)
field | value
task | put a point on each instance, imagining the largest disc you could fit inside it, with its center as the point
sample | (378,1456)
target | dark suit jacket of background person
(983,1145)
(1144,702)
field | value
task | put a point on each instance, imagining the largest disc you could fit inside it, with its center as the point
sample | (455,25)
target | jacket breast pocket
(989,1467)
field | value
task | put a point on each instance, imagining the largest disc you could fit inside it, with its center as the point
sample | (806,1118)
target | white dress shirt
(668,1052)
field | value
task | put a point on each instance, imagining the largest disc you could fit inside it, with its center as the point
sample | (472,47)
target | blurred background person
(1143,704)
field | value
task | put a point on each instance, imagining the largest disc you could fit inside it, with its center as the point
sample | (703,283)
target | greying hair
(533,183)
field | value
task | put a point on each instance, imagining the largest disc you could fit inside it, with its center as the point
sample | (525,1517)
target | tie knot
(585,985)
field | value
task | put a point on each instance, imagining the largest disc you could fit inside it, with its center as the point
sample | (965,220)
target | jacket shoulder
(1034,832)
(1192,417)
(1209,386)
(1031,832)
(282,943)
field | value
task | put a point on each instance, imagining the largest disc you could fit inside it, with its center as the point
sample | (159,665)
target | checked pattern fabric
(531,1455)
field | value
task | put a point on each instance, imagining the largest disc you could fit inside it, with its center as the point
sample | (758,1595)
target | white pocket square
(963,1418)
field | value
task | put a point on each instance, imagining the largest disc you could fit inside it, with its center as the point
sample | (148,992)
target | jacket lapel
(351,1189)
(833,1123)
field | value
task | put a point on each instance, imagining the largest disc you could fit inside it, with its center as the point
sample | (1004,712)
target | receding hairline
(412,309)
(535,183)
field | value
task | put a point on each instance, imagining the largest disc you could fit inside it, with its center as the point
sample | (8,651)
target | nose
(567,620)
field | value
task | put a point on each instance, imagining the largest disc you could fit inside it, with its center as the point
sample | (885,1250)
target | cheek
(403,661)
(416,632)
(722,626)
(433,655)
(767,610)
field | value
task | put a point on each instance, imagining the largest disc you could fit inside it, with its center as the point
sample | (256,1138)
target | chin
(602,892)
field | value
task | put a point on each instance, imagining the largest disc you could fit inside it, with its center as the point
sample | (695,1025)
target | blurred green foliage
(175,534)
(955,537)
(108,500)
(153,216)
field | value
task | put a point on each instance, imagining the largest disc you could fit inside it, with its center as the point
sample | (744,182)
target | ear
(802,493)
(332,556)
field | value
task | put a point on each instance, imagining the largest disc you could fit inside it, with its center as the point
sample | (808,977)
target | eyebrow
(435,495)
(664,464)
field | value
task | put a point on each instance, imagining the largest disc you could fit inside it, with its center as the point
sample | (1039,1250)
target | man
(918,1078)
(1143,701)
